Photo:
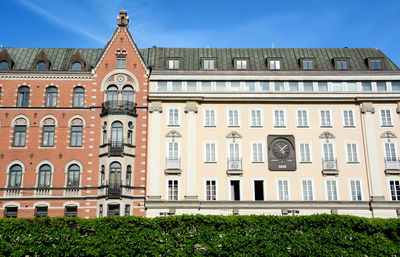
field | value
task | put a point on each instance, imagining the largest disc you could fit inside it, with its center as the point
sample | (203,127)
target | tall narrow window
(390,152)
(173,190)
(112,93)
(327,151)
(44,176)
(307,190)
(48,136)
(257,152)
(173,151)
(130,137)
(209,118)
(233,118)
(76,136)
(394,190)
(127,209)
(73,176)
(255,118)
(325,118)
(173,117)
(121,63)
(351,150)
(128,175)
(305,155)
(355,188)
(116,132)
(386,118)
(211,190)
(15,176)
(234,154)
(78,97)
(302,118)
(210,153)
(19,136)
(128,94)
(348,118)
(331,190)
(51,96)
(283,190)
(23,96)
(115,175)
(279,118)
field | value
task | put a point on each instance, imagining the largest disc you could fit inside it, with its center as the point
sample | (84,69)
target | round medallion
(120,78)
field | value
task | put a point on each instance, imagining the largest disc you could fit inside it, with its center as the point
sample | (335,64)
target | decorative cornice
(233,134)
(173,134)
(327,135)
(20,76)
(191,106)
(155,107)
(388,134)
(367,107)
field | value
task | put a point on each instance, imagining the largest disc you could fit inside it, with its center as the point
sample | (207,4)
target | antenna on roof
(273,45)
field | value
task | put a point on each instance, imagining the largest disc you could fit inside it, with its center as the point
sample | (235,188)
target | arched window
(3,65)
(19,135)
(41,65)
(112,93)
(44,176)
(115,174)
(73,176)
(128,94)
(15,176)
(51,96)
(79,97)
(76,66)
(116,132)
(23,96)
(48,132)
(128,175)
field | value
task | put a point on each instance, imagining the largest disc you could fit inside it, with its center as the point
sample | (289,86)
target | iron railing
(118,107)
(173,163)
(234,164)
(329,164)
(392,163)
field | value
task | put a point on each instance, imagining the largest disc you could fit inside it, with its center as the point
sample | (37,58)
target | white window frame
(242,64)
(385,153)
(347,123)
(215,153)
(252,151)
(264,187)
(274,64)
(384,122)
(333,150)
(347,152)
(173,122)
(238,118)
(167,189)
(312,189)
(174,64)
(277,188)
(178,152)
(239,150)
(322,122)
(306,123)
(350,189)
(301,159)
(205,188)
(326,189)
(390,191)
(282,123)
(212,124)
(258,123)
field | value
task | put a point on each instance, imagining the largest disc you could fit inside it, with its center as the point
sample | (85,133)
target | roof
(191,57)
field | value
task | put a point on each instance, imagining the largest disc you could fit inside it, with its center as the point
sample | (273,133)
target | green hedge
(317,235)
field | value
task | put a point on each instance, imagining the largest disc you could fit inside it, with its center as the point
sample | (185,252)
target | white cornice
(22,76)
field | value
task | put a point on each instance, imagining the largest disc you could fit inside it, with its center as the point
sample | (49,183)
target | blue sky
(225,24)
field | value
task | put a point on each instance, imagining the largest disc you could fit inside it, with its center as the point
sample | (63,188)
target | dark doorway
(259,190)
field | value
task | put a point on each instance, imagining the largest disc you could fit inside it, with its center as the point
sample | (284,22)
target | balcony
(234,166)
(13,191)
(329,167)
(392,165)
(114,190)
(115,148)
(118,107)
(173,166)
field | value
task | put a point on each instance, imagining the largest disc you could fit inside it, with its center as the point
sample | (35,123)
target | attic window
(209,64)
(241,64)
(375,63)
(307,64)
(76,66)
(342,64)
(274,64)
(4,65)
(174,64)
(41,65)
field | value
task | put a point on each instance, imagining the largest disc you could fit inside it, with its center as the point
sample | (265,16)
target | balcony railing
(119,107)
(329,167)
(234,164)
(115,148)
(392,164)
(173,164)
(114,189)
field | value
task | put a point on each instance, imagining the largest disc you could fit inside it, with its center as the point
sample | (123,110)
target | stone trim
(367,107)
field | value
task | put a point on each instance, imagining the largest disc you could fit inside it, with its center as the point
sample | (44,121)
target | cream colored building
(273,131)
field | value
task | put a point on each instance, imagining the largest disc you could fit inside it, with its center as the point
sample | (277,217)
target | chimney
(123,18)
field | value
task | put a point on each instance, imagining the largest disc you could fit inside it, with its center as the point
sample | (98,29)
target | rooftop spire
(123,18)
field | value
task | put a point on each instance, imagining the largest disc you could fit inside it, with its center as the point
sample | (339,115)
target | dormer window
(241,64)
(274,64)
(375,63)
(41,66)
(341,64)
(307,64)
(3,65)
(209,64)
(174,64)
(121,63)
(76,66)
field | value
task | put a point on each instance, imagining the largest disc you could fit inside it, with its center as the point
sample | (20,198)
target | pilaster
(191,175)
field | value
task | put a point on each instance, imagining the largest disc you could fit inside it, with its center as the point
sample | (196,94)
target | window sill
(326,126)
(77,147)
(210,126)
(387,126)
(47,147)
(173,125)
(279,126)
(349,126)
(254,126)
(258,162)
(306,162)
(18,147)
(233,126)
(306,126)
(210,162)
(353,162)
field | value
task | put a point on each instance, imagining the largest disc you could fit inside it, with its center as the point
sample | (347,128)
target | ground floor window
(41,211)
(71,211)
(11,212)
(113,210)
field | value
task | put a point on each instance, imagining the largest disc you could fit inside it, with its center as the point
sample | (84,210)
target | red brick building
(74,129)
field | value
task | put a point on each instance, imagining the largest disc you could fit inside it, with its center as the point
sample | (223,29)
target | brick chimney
(123,18)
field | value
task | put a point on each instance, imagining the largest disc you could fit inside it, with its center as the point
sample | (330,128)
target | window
(23,96)
(78,99)
(173,117)
(76,66)
(220,86)
(210,152)
(234,154)
(11,212)
(274,64)
(116,132)
(305,155)
(112,93)
(128,175)
(381,86)
(352,86)
(211,190)
(337,86)
(351,153)
(235,190)
(41,66)
(113,210)
(331,190)
(264,86)
(395,85)
(307,190)
(394,189)
(257,152)
(71,211)
(41,211)
(209,64)
(279,118)
(233,118)
(308,86)
(235,86)
(15,176)
(355,188)
(279,86)
(173,64)
(375,64)
(302,118)
(366,86)
(308,64)
(191,86)
(129,137)
(325,118)
(348,118)
(3,65)
(283,190)
(322,86)
(205,86)
(161,86)
(241,64)
(293,86)
(51,97)
(327,151)
(259,190)
(386,118)
(255,118)
(73,176)
(342,64)
(19,136)
(173,190)
(121,63)
(128,94)
(44,176)
(48,136)
(176,85)
(127,209)
(173,151)
(209,118)
(390,152)
(115,175)
(249,86)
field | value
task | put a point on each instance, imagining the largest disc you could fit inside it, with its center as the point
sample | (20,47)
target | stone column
(191,175)
(154,155)
(375,173)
